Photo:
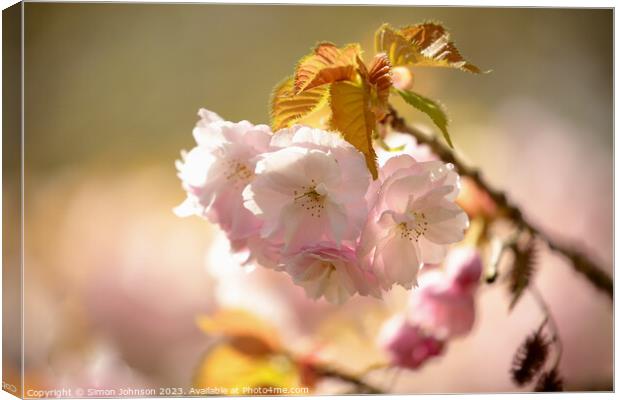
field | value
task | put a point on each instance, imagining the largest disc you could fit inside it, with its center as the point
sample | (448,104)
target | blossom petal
(447,224)
(337,220)
(431,253)
(401,261)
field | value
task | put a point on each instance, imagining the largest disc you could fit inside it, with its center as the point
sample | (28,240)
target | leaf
(530,358)
(320,117)
(326,64)
(246,353)
(351,115)
(288,108)
(379,78)
(430,108)
(226,367)
(349,334)
(432,41)
(251,345)
(522,270)
(426,44)
(241,328)
(397,48)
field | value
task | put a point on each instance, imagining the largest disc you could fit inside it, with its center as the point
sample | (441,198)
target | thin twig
(374,367)
(578,258)
(361,385)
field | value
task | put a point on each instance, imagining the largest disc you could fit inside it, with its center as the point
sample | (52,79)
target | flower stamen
(413,230)
(238,173)
(311,199)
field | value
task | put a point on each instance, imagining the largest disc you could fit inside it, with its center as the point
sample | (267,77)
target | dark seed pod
(522,270)
(530,358)
(549,381)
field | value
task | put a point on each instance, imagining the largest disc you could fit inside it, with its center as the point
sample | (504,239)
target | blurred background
(114,281)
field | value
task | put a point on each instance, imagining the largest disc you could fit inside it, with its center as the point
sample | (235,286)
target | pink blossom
(207,117)
(413,219)
(216,171)
(255,250)
(330,272)
(464,267)
(444,302)
(441,308)
(406,344)
(402,143)
(310,189)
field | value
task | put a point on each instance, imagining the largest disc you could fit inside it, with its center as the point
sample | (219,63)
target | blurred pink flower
(402,143)
(406,344)
(311,190)
(463,266)
(441,308)
(444,302)
(412,221)
(215,172)
(330,272)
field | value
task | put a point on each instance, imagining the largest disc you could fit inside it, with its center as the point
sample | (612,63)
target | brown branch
(362,386)
(578,258)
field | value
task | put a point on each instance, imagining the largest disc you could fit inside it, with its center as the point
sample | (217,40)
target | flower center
(312,198)
(238,173)
(414,229)
(330,267)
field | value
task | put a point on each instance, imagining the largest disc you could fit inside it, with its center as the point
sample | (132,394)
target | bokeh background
(114,281)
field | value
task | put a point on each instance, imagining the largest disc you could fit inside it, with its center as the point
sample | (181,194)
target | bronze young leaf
(379,79)
(326,64)
(287,107)
(353,118)
(395,46)
(426,44)
(432,41)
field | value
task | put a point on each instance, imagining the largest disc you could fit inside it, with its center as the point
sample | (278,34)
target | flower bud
(402,78)
(464,267)
(406,344)
(443,304)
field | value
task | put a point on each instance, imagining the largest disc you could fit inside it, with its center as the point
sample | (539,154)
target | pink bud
(402,78)
(406,344)
(444,301)
(464,267)
(445,310)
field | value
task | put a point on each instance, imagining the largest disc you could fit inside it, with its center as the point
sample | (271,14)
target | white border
(529,3)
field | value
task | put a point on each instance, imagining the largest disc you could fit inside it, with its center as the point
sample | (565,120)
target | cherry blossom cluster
(301,200)
(440,309)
